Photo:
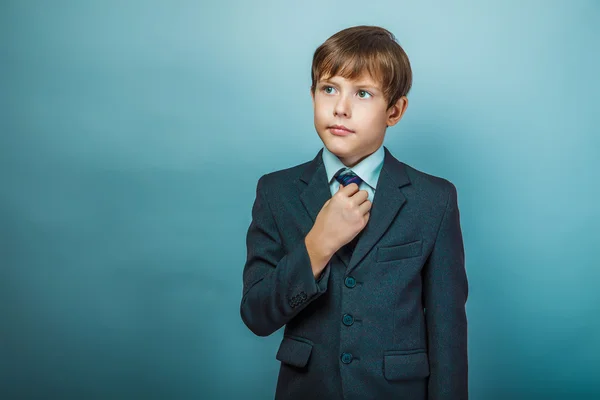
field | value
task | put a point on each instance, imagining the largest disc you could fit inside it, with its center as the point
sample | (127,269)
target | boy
(373,305)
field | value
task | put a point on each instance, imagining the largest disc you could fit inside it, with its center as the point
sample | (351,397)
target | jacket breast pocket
(295,351)
(398,252)
(405,365)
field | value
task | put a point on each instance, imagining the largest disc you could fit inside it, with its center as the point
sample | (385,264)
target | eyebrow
(359,84)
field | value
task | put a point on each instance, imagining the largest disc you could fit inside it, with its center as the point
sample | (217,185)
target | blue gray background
(133,134)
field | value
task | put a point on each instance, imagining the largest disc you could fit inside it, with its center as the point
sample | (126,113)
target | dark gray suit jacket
(386,321)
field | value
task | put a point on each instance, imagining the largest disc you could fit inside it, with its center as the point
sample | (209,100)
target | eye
(363,94)
(328,89)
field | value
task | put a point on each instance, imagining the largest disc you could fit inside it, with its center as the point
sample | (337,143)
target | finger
(365,207)
(360,196)
(350,189)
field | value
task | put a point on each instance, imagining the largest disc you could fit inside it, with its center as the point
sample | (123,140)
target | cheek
(320,112)
(375,115)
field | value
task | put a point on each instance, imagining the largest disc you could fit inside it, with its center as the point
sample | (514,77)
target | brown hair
(351,51)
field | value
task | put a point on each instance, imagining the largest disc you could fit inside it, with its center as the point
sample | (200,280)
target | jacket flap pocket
(390,253)
(294,351)
(398,366)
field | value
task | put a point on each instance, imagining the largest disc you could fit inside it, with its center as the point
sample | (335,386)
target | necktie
(346,176)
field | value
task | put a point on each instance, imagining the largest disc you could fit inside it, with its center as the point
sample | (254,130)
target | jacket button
(346,358)
(350,282)
(348,319)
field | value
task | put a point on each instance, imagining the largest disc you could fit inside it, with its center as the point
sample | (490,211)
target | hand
(341,218)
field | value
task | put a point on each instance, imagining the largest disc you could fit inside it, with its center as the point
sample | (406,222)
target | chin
(336,148)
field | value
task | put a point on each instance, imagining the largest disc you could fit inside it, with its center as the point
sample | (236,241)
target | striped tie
(346,176)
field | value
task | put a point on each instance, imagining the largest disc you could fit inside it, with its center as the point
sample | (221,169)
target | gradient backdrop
(133,134)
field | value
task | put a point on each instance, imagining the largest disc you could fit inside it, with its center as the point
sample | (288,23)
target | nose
(342,107)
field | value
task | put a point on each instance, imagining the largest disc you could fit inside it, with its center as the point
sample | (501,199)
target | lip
(340,130)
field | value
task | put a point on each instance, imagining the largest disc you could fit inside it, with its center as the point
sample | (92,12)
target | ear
(396,111)
(312,95)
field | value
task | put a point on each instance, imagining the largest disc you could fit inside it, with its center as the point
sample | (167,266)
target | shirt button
(346,358)
(350,282)
(348,319)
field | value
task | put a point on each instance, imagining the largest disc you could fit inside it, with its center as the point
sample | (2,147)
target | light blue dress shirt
(368,170)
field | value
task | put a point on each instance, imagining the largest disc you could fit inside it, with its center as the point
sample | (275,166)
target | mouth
(340,130)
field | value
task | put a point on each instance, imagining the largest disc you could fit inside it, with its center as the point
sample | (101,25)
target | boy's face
(351,116)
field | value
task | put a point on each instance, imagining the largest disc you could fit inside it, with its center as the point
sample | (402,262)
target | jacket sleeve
(445,291)
(276,285)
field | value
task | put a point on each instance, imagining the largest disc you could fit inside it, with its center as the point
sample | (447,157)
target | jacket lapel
(386,204)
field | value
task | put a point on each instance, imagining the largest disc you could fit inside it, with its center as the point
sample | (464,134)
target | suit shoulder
(282,177)
(429,182)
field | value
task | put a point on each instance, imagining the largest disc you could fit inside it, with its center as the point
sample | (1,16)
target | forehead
(364,79)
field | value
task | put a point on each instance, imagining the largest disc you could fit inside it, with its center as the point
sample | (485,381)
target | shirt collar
(368,169)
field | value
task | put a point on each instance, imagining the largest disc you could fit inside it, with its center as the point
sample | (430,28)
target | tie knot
(346,176)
